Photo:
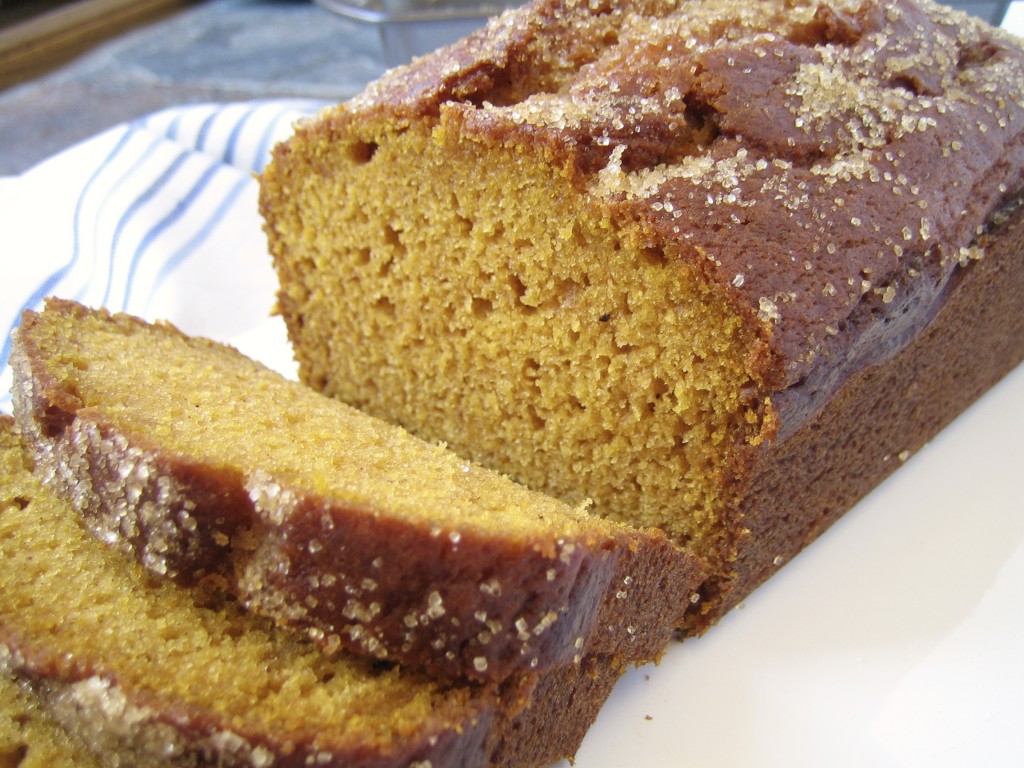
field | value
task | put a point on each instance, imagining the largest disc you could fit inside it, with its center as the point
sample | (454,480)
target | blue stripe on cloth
(231,148)
(164,224)
(46,287)
(153,152)
(204,232)
(175,125)
(204,132)
(128,175)
(274,130)
(263,147)
(252,128)
(148,194)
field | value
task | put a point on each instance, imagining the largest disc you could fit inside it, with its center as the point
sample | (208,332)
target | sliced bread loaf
(714,264)
(147,673)
(208,466)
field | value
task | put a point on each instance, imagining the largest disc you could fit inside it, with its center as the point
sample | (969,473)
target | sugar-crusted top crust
(827,165)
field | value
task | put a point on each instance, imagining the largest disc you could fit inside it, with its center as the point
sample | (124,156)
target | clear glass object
(411,28)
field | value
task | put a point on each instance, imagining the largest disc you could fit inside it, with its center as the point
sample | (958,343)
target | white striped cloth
(157,217)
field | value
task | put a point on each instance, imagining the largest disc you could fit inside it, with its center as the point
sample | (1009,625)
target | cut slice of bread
(148,673)
(209,467)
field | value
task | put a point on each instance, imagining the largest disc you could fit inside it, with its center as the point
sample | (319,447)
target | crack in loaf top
(817,162)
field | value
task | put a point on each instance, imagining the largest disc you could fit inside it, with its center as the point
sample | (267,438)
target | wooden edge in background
(30,48)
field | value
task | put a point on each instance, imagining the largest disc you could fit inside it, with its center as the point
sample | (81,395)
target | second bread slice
(139,672)
(206,465)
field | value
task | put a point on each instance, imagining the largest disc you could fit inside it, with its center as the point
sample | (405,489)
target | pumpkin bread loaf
(209,467)
(717,265)
(144,672)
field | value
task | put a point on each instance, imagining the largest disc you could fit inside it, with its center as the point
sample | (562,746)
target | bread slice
(718,266)
(147,673)
(206,465)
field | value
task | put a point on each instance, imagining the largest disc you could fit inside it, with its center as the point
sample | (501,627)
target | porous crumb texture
(207,466)
(618,250)
(147,673)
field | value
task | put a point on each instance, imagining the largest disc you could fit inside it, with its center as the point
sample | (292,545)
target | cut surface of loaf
(147,673)
(661,254)
(207,465)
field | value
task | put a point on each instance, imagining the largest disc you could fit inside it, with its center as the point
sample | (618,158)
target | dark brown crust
(457,606)
(562,708)
(881,416)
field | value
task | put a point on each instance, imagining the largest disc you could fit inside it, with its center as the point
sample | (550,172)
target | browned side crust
(454,603)
(882,415)
(563,707)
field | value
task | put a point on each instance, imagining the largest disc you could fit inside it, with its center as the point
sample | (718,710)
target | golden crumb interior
(500,314)
(206,402)
(92,612)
